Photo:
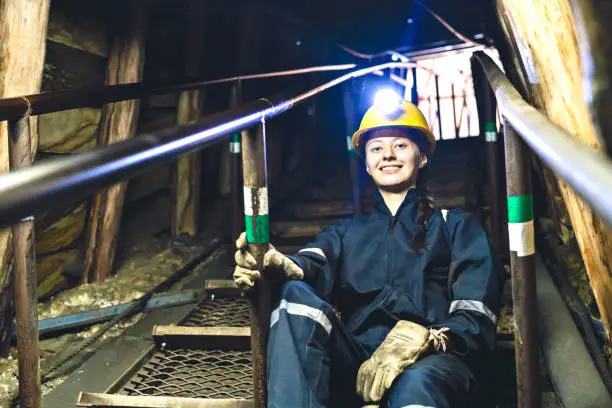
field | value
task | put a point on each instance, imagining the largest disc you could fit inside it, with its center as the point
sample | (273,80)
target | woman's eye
(400,146)
(375,149)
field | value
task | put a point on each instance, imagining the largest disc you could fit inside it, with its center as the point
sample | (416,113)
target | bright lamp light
(387,101)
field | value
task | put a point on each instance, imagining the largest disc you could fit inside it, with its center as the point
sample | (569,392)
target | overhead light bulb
(387,101)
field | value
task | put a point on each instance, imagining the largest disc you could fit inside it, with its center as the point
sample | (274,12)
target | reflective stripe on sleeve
(473,305)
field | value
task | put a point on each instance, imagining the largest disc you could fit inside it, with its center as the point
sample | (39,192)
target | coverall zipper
(388,279)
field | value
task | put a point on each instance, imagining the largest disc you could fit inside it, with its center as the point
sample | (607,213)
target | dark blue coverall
(373,278)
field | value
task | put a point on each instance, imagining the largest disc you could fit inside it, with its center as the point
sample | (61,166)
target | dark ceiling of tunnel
(374,26)
(369,26)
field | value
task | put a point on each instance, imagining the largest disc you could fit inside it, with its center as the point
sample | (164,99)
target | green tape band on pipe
(520,208)
(520,225)
(490,127)
(349,146)
(490,132)
(257,229)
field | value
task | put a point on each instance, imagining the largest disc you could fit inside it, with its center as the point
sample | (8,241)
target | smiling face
(393,160)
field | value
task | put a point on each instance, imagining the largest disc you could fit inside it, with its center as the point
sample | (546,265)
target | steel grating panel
(220,312)
(200,373)
(194,374)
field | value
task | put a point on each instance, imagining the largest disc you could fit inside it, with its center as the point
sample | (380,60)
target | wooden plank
(295,229)
(87,399)
(119,121)
(185,213)
(212,284)
(23,27)
(289,249)
(339,208)
(222,288)
(551,59)
(184,337)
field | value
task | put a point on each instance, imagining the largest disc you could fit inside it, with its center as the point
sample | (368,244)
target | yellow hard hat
(407,115)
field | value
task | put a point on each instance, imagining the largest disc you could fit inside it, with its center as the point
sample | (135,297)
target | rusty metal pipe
(56,182)
(48,102)
(235,163)
(492,148)
(257,222)
(453,98)
(438,113)
(586,170)
(522,263)
(24,281)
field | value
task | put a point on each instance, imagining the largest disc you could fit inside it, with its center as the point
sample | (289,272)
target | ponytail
(425,210)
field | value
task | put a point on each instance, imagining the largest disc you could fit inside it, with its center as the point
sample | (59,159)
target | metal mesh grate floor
(220,312)
(194,374)
(199,373)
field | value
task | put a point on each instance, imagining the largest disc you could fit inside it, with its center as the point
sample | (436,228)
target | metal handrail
(57,182)
(49,102)
(587,171)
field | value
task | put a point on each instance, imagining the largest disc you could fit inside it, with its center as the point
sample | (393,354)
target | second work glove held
(404,344)
(246,273)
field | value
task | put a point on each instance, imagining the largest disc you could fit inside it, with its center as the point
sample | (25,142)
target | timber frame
(527,131)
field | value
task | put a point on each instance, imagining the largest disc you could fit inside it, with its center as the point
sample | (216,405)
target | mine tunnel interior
(131,286)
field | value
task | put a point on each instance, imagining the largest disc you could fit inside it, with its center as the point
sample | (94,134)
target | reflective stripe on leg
(301,310)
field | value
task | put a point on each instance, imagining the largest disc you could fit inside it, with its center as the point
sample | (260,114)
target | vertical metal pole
(467,114)
(454,110)
(439,115)
(25,280)
(236,170)
(522,261)
(492,147)
(257,224)
(354,160)
(415,92)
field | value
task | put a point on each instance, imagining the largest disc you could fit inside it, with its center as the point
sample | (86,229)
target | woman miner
(417,291)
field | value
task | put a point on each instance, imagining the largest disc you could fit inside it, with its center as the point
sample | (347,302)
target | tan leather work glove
(246,273)
(404,344)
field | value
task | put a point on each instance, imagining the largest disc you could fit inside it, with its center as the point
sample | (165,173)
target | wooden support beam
(592,19)
(299,229)
(185,213)
(551,59)
(24,281)
(119,121)
(87,399)
(198,338)
(23,28)
(338,208)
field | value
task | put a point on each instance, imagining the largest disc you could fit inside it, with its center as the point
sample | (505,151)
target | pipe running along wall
(58,182)
(587,171)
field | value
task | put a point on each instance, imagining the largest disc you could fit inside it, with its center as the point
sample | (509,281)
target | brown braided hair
(425,210)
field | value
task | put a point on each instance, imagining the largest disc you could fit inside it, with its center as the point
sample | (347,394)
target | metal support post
(414,96)
(25,280)
(354,159)
(492,148)
(439,113)
(453,98)
(257,224)
(235,169)
(522,261)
